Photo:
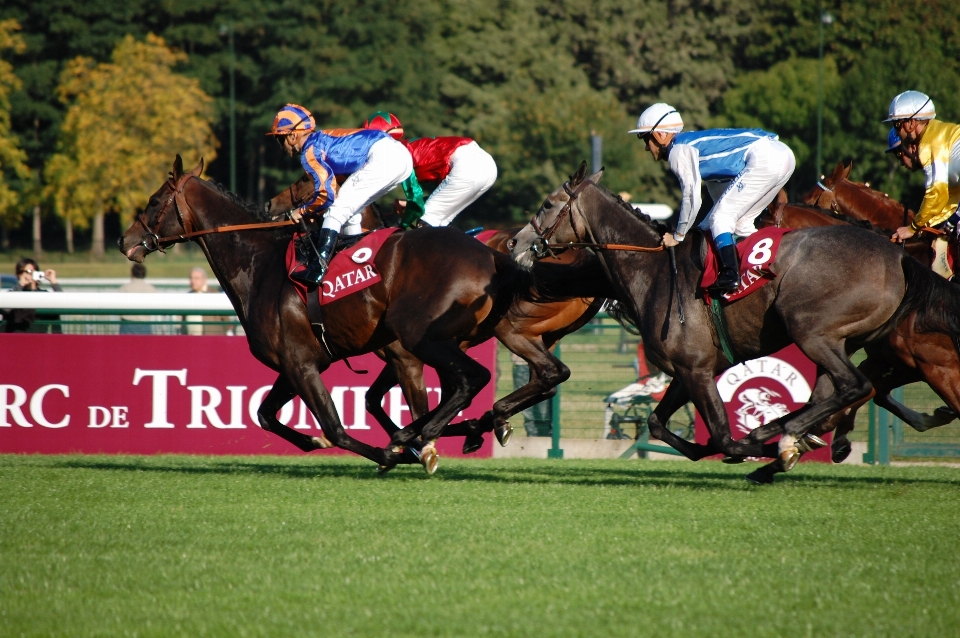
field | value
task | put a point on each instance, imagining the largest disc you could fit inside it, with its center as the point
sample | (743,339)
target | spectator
(209,324)
(29,277)
(136,324)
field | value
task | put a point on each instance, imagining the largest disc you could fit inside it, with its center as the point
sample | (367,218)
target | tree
(13,160)
(125,120)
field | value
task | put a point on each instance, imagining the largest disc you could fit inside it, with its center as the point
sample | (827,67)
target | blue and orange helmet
(292,118)
(386,122)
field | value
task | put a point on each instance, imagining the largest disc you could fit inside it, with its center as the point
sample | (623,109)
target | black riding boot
(313,271)
(729,277)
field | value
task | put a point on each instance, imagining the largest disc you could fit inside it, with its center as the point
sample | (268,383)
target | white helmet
(911,105)
(660,117)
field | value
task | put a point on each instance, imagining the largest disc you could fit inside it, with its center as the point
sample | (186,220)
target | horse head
(555,220)
(157,225)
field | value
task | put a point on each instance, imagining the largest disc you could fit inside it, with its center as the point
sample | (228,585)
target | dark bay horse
(836,289)
(530,330)
(439,288)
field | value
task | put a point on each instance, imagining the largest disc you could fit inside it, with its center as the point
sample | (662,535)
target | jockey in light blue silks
(744,170)
(375,162)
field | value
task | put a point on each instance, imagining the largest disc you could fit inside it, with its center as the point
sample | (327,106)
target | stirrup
(311,274)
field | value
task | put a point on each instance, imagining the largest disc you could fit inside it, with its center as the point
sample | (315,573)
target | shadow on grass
(548,472)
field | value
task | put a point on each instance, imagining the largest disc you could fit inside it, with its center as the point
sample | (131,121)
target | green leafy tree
(125,121)
(14,172)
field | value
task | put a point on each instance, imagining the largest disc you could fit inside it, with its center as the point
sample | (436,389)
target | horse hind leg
(281,393)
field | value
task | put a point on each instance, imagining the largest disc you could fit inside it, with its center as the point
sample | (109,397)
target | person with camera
(29,278)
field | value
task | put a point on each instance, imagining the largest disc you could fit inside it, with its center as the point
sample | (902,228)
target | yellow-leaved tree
(13,160)
(125,122)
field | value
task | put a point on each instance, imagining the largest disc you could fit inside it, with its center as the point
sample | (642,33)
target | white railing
(119,303)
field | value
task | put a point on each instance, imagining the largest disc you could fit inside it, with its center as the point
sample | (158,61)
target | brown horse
(439,288)
(839,194)
(531,330)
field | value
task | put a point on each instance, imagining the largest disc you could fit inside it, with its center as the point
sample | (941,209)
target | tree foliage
(529,79)
(125,121)
(13,166)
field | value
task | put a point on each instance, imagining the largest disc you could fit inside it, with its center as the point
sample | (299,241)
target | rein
(181,206)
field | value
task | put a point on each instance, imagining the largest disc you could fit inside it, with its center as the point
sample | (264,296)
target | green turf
(320,546)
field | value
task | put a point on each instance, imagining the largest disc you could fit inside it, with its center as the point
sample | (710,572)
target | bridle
(153,242)
(833,198)
(541,247)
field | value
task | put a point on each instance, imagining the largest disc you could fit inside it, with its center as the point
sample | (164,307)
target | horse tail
(935,300)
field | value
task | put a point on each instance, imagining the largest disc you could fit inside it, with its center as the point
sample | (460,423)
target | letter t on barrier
(159,416)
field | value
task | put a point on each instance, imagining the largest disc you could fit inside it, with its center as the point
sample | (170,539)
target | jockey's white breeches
(388,164)
(472,173)
(738,202)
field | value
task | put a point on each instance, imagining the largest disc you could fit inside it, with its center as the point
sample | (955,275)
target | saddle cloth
(484,235)
(756,253)
(352,269)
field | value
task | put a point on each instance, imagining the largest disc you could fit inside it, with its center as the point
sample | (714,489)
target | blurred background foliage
(529,79)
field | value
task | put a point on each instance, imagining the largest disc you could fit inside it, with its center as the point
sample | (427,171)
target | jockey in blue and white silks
(375,162)
(744,169)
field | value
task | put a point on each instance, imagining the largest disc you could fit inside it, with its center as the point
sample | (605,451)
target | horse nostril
(120,243)
(511,244)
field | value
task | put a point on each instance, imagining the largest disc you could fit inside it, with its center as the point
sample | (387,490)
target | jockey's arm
(324,190)
(685,163)
(936,198)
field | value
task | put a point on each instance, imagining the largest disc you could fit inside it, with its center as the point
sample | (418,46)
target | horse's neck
(865,203)
(242,261)
(612,223)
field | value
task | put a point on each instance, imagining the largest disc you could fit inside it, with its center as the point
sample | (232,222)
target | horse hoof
(789,458)
(321,442)
(839,453)
(810,442)
(428,457)
(759,477)
(472,443)
(734,460)
(503,433)
(383,469)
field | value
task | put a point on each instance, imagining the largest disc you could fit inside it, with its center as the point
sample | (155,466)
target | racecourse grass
(321,546)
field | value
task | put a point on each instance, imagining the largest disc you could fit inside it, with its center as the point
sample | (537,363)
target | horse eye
(547,204)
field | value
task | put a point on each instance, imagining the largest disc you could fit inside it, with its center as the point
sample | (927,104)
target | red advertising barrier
(131,394)
(759,391)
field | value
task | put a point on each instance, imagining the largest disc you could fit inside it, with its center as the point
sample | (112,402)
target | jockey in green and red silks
(461,169)
(375,163)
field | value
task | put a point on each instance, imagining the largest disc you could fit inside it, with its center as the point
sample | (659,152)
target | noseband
(833,198)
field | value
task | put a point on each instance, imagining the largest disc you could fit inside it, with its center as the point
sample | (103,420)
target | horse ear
(837,173)
(846,170)
(198,169)
(580,174)
(177,167)
(595,178)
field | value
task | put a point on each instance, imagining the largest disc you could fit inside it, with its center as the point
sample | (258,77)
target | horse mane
(657,226)
(256,211)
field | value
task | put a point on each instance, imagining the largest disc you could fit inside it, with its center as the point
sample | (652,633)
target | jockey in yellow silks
(937,151)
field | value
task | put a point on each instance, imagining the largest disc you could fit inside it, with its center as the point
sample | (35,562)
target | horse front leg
(673,399)
(461,379)
(546,373)
(706,398)
(280,394)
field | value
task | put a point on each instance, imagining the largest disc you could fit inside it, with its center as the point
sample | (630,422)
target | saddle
(756,254)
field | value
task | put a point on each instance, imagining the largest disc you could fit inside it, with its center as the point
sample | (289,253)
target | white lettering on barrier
(359,408)
(200,409)
(397,405)
(13,407)
(36,406)
(98,411)
(119,416)
(159,414)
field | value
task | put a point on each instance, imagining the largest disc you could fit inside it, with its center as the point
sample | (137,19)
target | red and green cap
(386,122)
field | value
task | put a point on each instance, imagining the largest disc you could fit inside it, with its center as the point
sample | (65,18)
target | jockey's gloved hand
(295,215)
